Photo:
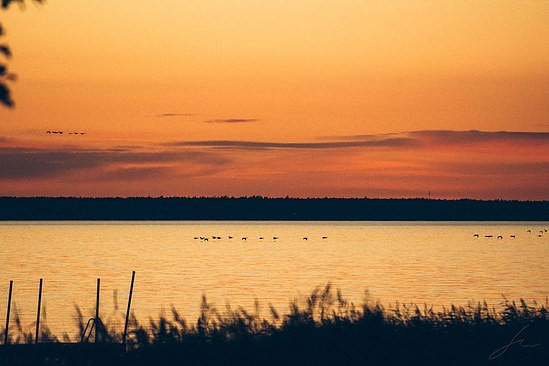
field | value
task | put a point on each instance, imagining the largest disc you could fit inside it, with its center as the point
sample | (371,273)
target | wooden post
(6,339)
(128,311)
(38,312)
(97,322)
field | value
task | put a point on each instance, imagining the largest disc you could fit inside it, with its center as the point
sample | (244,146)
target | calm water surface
(422,262)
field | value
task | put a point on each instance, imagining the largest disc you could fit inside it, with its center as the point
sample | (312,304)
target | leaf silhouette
(4,49)
(5,96)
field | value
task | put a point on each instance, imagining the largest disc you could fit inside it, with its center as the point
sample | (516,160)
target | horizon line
(278,198)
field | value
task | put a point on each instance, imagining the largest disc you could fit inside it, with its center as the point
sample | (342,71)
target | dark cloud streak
(232,120)
(21,163)
(257,145)
(369,137)
(476,168)
(451,136)
(5,140)
(126,162)
(139,173)
(418,138)
(475,136)
(177,115)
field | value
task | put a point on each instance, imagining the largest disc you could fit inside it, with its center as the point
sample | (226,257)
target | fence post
(6,337)
(128,311)
(38,313)
(97,321)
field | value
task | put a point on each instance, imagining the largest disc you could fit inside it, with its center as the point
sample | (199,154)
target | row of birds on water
(491,236)
(244,238)
(51,132)
(512,236)
(540,232)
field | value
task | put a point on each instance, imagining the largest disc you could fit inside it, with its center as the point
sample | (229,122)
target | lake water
(421,262)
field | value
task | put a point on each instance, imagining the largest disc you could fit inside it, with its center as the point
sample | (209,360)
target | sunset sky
(307,98)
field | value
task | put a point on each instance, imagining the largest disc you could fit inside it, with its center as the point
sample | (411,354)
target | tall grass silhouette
(323,328)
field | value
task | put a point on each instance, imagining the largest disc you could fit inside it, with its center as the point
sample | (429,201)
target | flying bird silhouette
(68,133)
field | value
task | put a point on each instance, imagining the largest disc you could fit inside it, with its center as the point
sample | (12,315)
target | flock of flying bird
(512,236)
(244,238)
(49,132)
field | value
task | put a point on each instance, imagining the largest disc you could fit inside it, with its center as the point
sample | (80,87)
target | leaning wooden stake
(128,311)
(38,312)
(6,339)
(97,322)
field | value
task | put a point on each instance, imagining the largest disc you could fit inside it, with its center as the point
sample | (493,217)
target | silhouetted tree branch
(5,54)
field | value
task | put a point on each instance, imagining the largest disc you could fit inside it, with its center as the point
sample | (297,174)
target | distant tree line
(263,208)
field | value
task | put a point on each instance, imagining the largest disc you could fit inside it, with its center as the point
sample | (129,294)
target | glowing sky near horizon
(303,98)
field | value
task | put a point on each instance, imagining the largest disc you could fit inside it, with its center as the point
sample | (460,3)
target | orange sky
(302,98)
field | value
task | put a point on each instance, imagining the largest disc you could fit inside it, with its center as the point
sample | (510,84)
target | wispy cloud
(492,168)
(5,140)
(259,145)
(480,164)
(368,137)
(474,136)
(232,120)
(19,163)
(423,138)
(138,173)
(177,115)
(450,136)
(129,147)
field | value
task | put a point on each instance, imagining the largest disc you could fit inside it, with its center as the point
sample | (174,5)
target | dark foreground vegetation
(262,208)
(323,329)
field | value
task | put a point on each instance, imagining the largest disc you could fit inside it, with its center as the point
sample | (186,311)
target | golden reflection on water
(433,263)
